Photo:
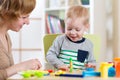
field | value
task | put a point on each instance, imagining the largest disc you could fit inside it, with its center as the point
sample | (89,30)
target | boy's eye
(69,29)
(77,29)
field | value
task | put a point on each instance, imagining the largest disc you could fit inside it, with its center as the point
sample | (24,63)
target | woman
(13,15)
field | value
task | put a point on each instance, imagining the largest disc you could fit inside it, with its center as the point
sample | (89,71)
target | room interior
(28,43)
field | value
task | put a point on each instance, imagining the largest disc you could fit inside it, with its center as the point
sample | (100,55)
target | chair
(49,38)
(47,41)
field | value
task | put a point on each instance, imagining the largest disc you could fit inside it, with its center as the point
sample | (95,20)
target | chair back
(48,40)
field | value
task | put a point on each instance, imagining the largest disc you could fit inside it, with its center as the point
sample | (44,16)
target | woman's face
(17,25)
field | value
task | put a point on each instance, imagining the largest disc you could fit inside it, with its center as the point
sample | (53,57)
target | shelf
(54,9)
(87,6)
(59,11)
(62,8)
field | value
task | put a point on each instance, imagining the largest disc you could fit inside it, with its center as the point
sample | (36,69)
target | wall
(107,25)
(99,25)
(116,29)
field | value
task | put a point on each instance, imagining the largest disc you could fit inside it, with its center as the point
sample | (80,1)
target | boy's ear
(87,26)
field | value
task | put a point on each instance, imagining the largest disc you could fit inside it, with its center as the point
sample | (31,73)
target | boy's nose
(73,31)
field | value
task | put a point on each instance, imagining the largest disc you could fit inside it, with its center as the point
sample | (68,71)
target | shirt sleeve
(3,75)
(91,58)
(53,53)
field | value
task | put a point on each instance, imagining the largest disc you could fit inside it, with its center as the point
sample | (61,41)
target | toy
(104,70)
(26,74)
(34,73)
(111,72)
(50,71)
(59,72)
(117,66)
(90,73)
(65,74)
(38,74)
(89,69)
(71,75)
(71,65)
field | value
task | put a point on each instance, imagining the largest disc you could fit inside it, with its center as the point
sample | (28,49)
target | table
(18,77)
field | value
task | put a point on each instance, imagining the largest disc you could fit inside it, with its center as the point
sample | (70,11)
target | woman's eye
(24,17)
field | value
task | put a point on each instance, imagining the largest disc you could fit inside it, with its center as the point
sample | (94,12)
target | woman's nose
(27,21)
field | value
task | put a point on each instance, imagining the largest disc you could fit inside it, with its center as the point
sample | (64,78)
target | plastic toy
(90,73)
(117,66)
(26,74)
(34,73)
(71,75)
(50,71)
(38,74)
(104,66)
(71,65)
(111,72)
(89,69)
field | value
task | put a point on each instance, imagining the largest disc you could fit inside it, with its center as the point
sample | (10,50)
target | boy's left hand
(90,66)
(64,68)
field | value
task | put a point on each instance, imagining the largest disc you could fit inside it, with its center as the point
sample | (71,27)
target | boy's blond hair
(10,10)
(78,12)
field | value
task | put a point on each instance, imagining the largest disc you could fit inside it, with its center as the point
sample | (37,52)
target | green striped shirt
(65,57)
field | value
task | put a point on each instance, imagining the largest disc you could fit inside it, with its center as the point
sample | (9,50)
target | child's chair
(47,42)
(49,38)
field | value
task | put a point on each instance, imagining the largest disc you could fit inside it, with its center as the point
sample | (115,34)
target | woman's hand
(33,64)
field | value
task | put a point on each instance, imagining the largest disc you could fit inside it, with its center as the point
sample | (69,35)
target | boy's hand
(90,66)
(64,68)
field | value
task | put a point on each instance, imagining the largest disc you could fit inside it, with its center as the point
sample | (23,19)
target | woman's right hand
(33,64)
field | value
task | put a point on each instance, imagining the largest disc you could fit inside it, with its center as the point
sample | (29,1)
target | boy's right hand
(64,68)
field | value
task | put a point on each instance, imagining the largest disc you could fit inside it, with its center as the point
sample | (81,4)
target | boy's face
(75,28)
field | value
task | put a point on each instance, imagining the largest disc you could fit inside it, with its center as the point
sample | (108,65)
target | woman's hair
(78,12)
(12,9)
